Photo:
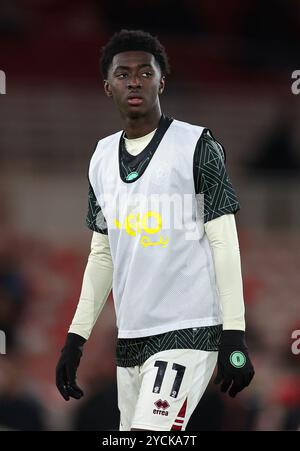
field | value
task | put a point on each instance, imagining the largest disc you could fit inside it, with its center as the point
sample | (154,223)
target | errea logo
(2,82)
(162,406)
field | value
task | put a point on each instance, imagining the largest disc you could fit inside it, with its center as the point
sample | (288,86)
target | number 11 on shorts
(162,366)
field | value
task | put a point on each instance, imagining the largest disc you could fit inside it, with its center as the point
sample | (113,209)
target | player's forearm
(222,235)
(96,286)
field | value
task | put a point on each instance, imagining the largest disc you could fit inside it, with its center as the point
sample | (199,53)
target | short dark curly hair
(126,40)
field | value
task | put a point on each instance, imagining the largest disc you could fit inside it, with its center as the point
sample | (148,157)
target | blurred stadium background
(231,71)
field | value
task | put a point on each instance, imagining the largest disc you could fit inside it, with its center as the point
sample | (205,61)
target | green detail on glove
(237,359)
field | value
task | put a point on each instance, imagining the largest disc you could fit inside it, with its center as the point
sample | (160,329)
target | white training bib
(163,267)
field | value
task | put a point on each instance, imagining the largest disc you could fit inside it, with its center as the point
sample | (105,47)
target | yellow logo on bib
(135,224)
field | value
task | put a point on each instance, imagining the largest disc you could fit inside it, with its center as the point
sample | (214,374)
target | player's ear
(107,88)
(161,85)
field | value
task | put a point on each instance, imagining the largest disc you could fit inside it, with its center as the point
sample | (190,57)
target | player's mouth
(134,100)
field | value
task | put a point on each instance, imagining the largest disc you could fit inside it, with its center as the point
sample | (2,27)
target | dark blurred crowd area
(235,39)
(251,43)
(39,288)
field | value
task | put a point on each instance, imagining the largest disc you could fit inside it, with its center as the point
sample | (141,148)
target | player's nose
(134,82)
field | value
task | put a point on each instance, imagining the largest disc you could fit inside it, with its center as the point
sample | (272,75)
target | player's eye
(146,74)
(123,75)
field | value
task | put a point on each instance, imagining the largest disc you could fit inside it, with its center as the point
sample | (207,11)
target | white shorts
(162,394)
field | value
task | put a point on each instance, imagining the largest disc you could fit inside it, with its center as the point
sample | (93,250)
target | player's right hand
(67,367)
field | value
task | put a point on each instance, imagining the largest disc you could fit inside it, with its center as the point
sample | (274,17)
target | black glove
(235,369)
(67,367)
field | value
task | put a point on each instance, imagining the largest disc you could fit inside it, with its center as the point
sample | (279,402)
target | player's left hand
(235,369)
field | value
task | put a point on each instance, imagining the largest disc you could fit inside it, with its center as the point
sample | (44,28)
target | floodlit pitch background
(233,70)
